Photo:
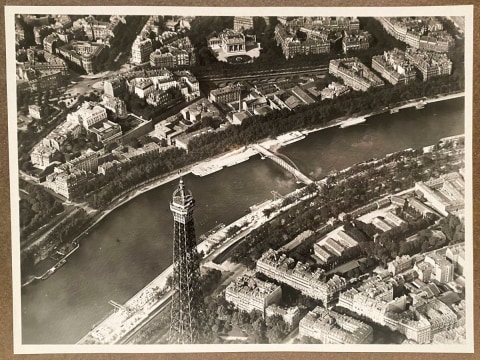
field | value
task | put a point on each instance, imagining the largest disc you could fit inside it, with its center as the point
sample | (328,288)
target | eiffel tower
(187,298)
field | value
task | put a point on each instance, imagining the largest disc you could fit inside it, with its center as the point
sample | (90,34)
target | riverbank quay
(96,216)
(354,119)
(147,302)
(225,159)
(201,168)
(54,268)
(144,224)
(420,103)
(237,156)
(216,244)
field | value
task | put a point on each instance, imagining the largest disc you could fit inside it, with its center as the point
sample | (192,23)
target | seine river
(132,245)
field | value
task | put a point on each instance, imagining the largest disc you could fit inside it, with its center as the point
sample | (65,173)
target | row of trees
(344,192)
(278,122)
(318,114)
(453,228)
(60,234)
(121,44)
(222,317)
(218,318)
(104,188)
(37,208)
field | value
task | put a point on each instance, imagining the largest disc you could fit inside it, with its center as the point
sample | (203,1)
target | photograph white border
(10,11)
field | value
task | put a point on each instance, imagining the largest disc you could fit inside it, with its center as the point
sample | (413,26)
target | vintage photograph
(239,177)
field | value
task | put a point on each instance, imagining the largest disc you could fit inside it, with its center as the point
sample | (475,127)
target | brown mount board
(6,338)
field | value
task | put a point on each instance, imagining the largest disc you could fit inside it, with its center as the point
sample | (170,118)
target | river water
(132,245)
(335,149)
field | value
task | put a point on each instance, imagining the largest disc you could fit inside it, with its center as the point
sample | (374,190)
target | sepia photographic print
(189,179)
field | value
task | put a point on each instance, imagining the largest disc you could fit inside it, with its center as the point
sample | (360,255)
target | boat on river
(53,269)
(204,170)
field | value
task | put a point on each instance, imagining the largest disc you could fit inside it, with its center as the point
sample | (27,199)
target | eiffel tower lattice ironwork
(187,297)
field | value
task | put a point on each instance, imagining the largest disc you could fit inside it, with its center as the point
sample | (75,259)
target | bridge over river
(284,162)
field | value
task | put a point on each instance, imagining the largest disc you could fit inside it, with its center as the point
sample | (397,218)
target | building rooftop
(263,110)
(427,59)
(248,284)
(43,150)
(302,95)
(300,271)
(438,259)
(224,90)
(356,69)
(342,327)
(423,266)
(334,244)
